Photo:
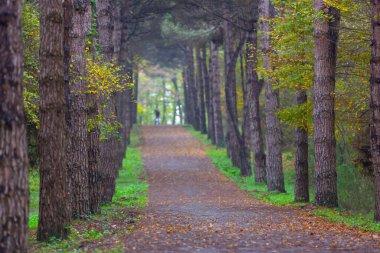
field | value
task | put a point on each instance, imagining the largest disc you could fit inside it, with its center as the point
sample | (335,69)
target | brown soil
(194,208)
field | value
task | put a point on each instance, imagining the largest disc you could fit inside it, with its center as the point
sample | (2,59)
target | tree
(14,193)
(93,142)
(77,108)
(326,31)
(108,146)
(54,212)
(216,100)
(201,91)
(275,175)
(254,88)
(301,166)
(208,94)
(236,146)
(375,100)
(193,103)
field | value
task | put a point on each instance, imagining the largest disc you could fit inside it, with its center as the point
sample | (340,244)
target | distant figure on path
(157,113)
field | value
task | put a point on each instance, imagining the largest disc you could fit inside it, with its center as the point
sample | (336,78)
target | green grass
(131,193)
(34,189)
(220,160)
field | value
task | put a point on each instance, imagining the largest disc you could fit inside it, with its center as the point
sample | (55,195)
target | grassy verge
(338,215)
(116,218)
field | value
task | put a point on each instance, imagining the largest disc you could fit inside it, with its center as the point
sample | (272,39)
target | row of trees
(86,110)
(298,52)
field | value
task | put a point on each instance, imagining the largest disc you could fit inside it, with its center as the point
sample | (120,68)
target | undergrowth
(219,157)
(116,218)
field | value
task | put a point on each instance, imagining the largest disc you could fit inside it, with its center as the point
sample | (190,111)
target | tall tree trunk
(178,98)
(192,88)
(208,91)
(54,212)
(275,175)
(105,27)
(236,146)
(14,193)
(375,101)
(301,184)
(216,100)
(200,91)
(123,101)
(254,88)
(186,96)
(77,110)
(164,102)
(230,86)
(326,33)
(93,139)
(135,94)
(108,147)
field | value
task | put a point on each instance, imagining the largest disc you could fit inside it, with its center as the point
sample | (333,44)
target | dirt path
(193,208)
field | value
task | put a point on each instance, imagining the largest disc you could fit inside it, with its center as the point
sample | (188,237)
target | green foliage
(31,43)
(180,33)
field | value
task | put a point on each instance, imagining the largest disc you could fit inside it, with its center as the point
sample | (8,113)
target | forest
(111,110)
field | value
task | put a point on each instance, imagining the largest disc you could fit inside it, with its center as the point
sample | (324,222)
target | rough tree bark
(77,109)
(208,92)
(216,100)
(14,190)
(105,27)
(54,213)
(275,175)
(326,33)
(254,88)
(375,101)
(301,166)
(201,92)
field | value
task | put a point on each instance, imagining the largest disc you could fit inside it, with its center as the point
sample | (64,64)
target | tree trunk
(200,91)
(186,96)
(135,95)
(230,87)
(254,88)
(14,193)
(275,175)
(54,212)
(77,110)
(325,39)
(164,102)
(208,91)
(108,147)
(215,83)
(301,184)
(192,89)
(178,98)
(105,27)
(93,139)
(375,101)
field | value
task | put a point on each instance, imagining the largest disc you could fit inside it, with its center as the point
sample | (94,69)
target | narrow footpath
(194,208)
